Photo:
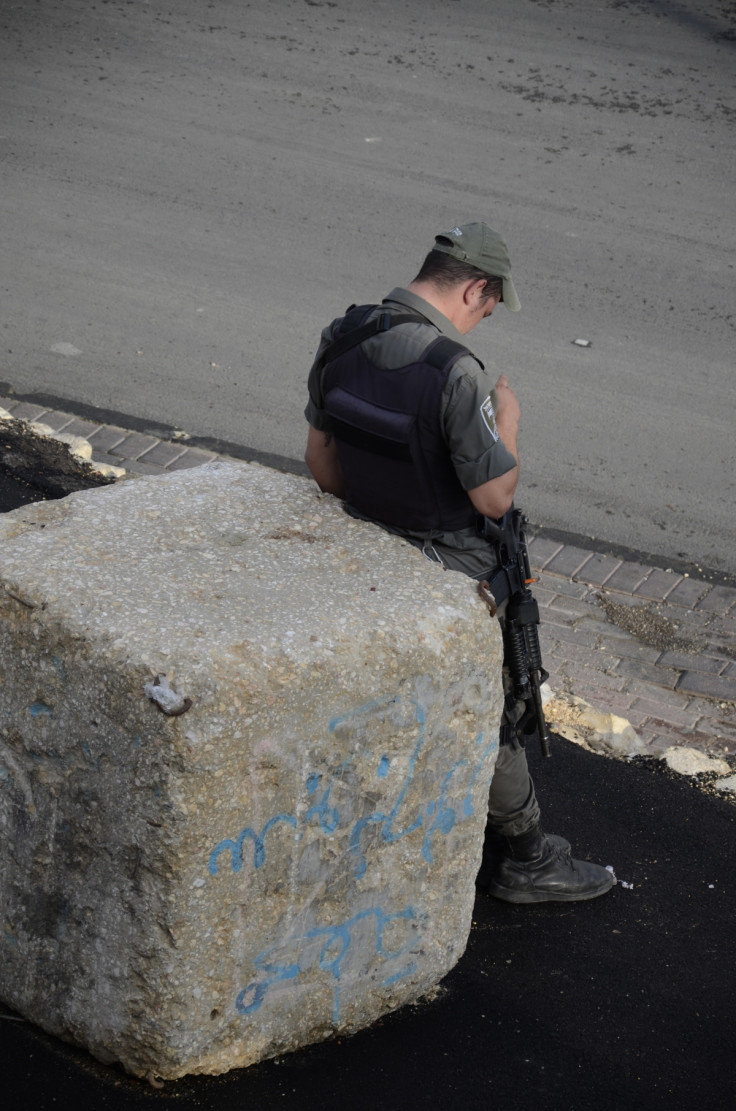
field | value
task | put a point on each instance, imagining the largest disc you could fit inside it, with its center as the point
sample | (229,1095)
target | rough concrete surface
(286,846)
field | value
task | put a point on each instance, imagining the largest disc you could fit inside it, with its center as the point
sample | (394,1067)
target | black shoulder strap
(351,332)
(444,352)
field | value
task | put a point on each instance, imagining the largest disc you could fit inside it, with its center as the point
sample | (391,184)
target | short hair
(445,271)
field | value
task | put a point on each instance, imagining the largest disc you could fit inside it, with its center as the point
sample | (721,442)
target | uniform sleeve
(469,422)
(314,411)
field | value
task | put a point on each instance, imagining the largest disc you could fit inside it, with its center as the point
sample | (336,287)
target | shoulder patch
(489,417)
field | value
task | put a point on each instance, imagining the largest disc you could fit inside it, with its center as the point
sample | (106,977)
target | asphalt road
(189,191)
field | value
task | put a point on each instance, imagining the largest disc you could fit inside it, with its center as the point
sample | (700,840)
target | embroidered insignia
(489,417)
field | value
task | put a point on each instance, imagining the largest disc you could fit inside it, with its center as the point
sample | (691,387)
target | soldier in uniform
(407,426)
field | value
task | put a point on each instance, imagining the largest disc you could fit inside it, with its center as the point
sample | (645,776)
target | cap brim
(510,298)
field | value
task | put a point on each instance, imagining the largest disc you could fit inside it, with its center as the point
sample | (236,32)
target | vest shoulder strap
(440,353)
(351,332)
(443,352)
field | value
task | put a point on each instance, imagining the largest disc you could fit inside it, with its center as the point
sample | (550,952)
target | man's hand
(509,410)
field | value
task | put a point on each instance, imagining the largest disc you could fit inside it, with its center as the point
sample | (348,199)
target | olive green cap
(481,246)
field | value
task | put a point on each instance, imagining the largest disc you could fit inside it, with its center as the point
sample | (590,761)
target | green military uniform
(478,454)
(468,416)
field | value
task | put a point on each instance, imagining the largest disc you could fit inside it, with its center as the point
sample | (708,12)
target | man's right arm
(323,461)
(321,455)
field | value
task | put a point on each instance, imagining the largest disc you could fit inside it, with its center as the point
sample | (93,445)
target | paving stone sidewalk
(673,678)
(655,647)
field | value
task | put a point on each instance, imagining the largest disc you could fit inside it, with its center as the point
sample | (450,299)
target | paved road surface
(188,191)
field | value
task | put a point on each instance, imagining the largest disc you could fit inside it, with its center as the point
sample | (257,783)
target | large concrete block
(275,841)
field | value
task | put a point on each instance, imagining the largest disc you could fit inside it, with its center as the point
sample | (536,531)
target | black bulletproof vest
(395,463)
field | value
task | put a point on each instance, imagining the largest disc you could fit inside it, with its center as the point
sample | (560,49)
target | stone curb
(136,453)
(642,660)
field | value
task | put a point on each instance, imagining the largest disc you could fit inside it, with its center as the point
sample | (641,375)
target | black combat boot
(540,869)
(496,847)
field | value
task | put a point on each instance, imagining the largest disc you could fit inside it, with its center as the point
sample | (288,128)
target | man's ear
(473,289)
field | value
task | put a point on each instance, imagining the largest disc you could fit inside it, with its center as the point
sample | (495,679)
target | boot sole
(508,895)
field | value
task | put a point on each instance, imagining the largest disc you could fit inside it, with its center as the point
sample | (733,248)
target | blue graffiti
(41,709)
(437,816)
(401,974)
(330,957)
(373,704)
(235,848)
(59,667)
(386,821)
(328,816)
(440,818)
(467,803)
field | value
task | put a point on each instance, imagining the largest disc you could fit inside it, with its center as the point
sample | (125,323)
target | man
(407,427)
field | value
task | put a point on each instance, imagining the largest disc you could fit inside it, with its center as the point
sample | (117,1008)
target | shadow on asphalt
(14,494)
(622,1002)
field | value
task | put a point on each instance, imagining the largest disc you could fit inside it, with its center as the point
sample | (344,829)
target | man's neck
(447,301)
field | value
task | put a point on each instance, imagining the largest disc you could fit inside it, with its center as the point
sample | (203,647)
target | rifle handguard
(522,652)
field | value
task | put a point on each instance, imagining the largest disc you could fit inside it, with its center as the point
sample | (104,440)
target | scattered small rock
(576,720)
(166,698)
(690,761)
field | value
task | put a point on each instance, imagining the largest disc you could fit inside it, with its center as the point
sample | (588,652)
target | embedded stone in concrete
(245,747)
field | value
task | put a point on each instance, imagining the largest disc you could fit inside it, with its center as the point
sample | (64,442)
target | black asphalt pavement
(622,1002)
(13,493)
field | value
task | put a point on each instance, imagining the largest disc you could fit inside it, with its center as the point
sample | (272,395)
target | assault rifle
(522,656)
